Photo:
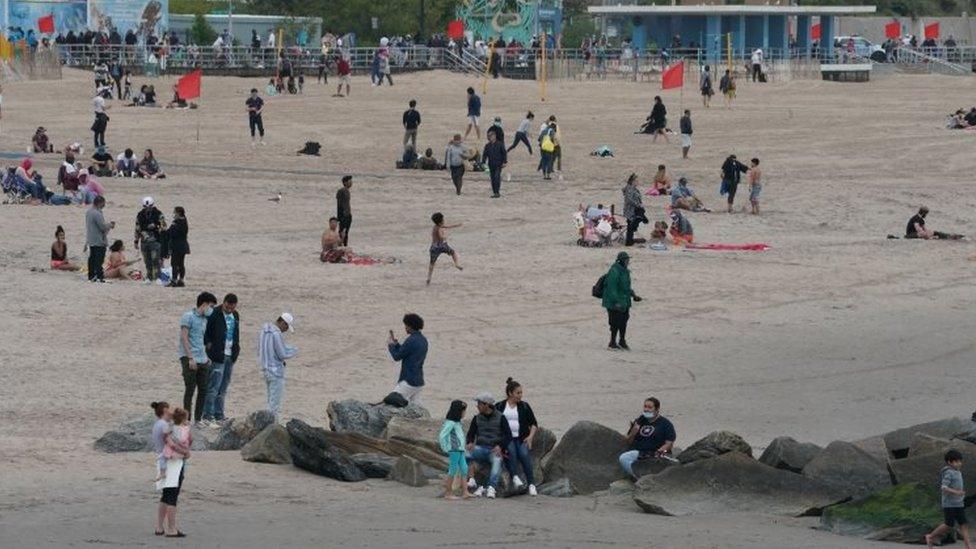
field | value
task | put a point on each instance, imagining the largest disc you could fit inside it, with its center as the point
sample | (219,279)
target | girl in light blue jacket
(451,440)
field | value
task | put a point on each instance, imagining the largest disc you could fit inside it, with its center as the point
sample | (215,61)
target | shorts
(438,249)
(56,264)
(473,119)
(458,466)
(754,191)
(344,79)
(686,140)
(953,515)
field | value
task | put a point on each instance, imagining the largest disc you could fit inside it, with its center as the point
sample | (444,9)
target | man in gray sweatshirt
(454,158)
(96,239)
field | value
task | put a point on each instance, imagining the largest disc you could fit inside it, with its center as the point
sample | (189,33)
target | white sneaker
(517,482)
(491,493)
(532,490)
(479,492)
(472,484)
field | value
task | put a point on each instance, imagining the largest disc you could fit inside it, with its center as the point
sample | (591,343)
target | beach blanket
(356,259)
(754,247)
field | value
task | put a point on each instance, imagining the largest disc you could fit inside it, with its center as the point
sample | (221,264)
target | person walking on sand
(451,439)
(163,417)
(96,239)
(658,120)
(495,156)
(439,245)
(686,131)
(411,355)
(411,121)
(707,90)
(727,86)
(522,133)
(272,354)
(474,113)
(617,298)
(344,208)
(755,185)
(343,70)
(953,501)
(194,364)
(454,158)
(732,171)
(101,117)
(223,344)
(150,226)
(255,107)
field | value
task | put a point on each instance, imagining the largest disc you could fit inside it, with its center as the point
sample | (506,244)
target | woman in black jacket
(178,246)
(658,120)
(522,423)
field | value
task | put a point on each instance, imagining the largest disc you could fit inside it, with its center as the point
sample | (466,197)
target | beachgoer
(101,118)
(118,266)
(686,131)
(40,142)
(255,107)
(126,164)
(179,247)
(953,501)
(160,428)
(662,183)
(617,297)
(451,439)
(439,245)
(682,197)
(343,70)
(29,181)
(411,355)
(496,126)
(650,435)
(727,86)
(658,119)
(332,249)
(495,156)
(272,354)
(474,112)
(149,167)
(411,121)
(488,437)
(548,143)
(705,85)
(222,341)
(522,133)
(59,253)
(523,427)
(732,171)
(150,224)
(177,440)
(454,158)
(755,185)
(102,163)
(633,208)
(96,239)
(916,228)
(194,363)
(757,59)
(681,230)
(344,208)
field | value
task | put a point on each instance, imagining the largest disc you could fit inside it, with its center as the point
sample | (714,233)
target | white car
(862,47)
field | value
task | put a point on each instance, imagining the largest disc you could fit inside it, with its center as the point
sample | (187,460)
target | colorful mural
(511,19)
(141,16)
(68,14)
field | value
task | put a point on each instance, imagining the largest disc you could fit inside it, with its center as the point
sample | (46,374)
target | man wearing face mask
(650,435)
(193,353)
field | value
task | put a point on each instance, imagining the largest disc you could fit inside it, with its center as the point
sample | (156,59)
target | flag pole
(200,99)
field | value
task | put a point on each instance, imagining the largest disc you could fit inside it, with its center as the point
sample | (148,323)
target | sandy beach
(835,333)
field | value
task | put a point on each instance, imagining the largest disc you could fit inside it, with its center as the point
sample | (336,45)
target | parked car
(862,48)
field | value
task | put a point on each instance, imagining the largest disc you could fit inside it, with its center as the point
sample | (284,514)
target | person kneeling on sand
(332,249)
(916,228)
(683,198)
(650,435)
(681,230)
(488,436)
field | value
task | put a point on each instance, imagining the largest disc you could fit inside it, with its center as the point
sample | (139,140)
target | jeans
(150,255)
(457,177)
(220,375)
(195,381)
(410,136)
(546,163)
(276,394)
(518,453)
(256,123)
(627,460)
(96,261)
(495,173)
(483,454)
(520,137)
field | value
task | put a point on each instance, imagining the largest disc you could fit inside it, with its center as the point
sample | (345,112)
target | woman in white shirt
(522,423)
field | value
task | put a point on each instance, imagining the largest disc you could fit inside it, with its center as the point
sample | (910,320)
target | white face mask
(208,312)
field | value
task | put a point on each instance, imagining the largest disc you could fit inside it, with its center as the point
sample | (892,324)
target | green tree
(201,33)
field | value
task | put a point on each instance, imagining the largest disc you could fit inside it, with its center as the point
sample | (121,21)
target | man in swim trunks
(332,249)
(438,243)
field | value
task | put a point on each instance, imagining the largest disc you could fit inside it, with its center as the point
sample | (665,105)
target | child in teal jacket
(451,440)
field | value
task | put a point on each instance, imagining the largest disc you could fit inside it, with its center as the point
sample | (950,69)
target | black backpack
(311,147)
(598,287)
(396,400)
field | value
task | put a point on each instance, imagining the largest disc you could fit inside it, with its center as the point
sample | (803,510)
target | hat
(485,398)
(289,320)
(148,201)
(622,256)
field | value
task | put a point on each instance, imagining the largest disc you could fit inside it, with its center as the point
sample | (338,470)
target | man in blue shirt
(474,112)
(193,353)
(411,355)
(222,340)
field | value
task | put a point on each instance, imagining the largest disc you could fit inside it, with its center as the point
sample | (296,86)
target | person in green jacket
(617,297)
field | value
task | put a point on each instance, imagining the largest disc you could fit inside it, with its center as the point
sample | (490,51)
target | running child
(953,504)
(439,245)
(301,81)
(522,133)
(452,443)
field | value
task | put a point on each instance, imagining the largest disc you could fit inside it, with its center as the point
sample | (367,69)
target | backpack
(311,147)
(598,287)
(547,144)
(396,400)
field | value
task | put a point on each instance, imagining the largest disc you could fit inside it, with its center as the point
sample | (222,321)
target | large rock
(409,471)
(732,482)
(374,465)
(422,432)
(788,454)
(353,416)
(924,468)
(561,488)
(587,456)
(903,513)
(310,450)
(715,444)
(544,442)
(353,443)
(926,444)
(899,441)
(875,447)
(272,445)
(651,466)
(237,432)
(135,435)
(849,468)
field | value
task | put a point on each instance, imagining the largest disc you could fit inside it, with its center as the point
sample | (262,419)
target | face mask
(208,312)
(650,415)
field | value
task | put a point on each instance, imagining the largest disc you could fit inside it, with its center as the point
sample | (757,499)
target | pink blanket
(755,247)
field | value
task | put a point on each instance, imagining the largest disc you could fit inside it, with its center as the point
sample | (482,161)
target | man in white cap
(272,353)
(149,226)
(488,436)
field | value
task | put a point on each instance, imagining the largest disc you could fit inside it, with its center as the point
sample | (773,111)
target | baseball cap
(148,201)
(290,321)
(484,398)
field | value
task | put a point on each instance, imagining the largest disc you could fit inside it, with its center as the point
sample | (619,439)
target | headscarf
(26,164)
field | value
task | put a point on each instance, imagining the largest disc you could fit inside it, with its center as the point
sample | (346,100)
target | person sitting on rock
(650,435)
(411,355)
(488,436)
(524,427)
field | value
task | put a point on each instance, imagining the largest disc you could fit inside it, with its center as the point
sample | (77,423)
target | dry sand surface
(836,333)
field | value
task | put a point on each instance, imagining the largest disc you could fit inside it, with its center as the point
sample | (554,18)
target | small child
(271,89)
(452,443)
(439,245)
(953,496)
(178,440)
(291,85)
(127,90)
(301,82)
(755,185)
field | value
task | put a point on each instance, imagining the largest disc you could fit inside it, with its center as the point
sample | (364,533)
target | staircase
(912,61)
(467,62)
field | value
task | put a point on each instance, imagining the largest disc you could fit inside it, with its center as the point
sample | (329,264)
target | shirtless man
(755,185)
(332,249)
(439,245)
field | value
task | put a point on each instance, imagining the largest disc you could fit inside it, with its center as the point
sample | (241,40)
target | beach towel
(753,247)
(356,259)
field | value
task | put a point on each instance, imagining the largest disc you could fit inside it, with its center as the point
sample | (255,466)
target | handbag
(396,400)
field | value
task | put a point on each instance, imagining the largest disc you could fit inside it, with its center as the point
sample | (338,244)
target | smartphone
(391,335)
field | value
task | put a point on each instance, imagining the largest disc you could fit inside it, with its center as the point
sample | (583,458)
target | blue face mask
(649,415)
(208,312)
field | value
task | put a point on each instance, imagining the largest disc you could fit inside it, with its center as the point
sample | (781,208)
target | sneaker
(491,493)
(623,345)
(480,492)
(472,484)
(517,482)
(532,491)
(613,345)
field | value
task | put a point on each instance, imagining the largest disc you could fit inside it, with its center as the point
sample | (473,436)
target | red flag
(455,29)
(893,29)
(932,31)
(46,24)
(674,76)
(815,32)
(188,86)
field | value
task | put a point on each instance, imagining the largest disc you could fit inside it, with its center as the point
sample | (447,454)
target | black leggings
(632,226)
(618,324)
(256,124)
(177,261)
(520,137)
(457,177)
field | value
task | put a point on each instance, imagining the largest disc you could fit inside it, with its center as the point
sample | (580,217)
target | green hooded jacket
(616,286)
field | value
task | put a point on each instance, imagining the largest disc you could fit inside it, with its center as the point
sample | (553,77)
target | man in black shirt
(650,435)
(411,121)
(344,209)
(731,173)
(254,107)
(916,228)
(495,156)
(149,225)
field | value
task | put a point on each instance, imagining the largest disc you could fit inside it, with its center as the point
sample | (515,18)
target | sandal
(159,532)
(178,534)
